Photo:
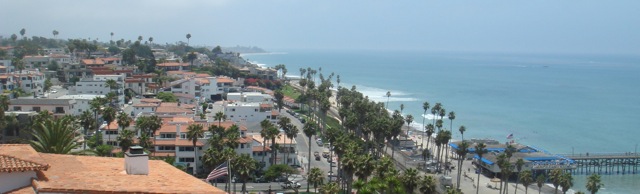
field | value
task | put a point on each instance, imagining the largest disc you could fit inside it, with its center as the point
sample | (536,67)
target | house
(59,107)
(31,81)
(173,66)
(24,170)
(249,97)
(97,85)
(250,113)
(139,84)
(36,61)
(286,149)
(82,101)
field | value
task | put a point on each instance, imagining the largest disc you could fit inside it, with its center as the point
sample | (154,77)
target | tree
(86,121)
(462,152)
(428,185)
(22,32)
(409,120)
(330,188)
(315,177)
(425,107)
(103,150)
(264,125)
(167,97)
(410,179)
(519,164)
(479,151)
(150,40)
(452,116)
(14,37)
(125,139)
(279,99)
(111,36)
(540,182)
(526,177)
(594,183)
(109,115)
(55,33)
(188,37)
(430,129)
(53,66)
(291,133)
(244,166)
(195,131)
(388,96)
(47,84)
(54,136)
(566,181)
(309,130)
(555,176)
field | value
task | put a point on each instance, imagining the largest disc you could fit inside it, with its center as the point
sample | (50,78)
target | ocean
(561,103)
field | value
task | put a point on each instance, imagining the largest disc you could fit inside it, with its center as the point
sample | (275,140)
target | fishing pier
(605,163)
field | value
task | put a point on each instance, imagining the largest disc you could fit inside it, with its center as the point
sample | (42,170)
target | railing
(602,155)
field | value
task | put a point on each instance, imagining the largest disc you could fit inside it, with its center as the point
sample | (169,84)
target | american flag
(218,172)
(510,136)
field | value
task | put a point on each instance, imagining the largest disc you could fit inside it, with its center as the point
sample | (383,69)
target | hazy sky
(569,26)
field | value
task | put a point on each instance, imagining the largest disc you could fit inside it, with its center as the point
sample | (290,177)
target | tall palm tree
(292,133)
(410,179)
(188,37)
(244,166)
(309,130)
(285,124)
(452,116)
(109,115)
(195,131)
(594,183)
(86,121)
(462,129)
(430,129)
(96,106)
(540,182)
(125,139)
(316,177)
(273,133)
(462,152)
(265,125)
(388,96)
(425,107)
(409,120)
(54,136)
(55,33)
(519,164)
(479,151)
(111,36)
(526,178)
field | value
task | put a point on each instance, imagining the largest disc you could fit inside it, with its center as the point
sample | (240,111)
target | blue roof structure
(488,162)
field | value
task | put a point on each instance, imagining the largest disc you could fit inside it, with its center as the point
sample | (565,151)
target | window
(28,85)
(185,159)
(59,110)
(112,143)
(167,135)
(183,136)
(186,149)
(115,132)
(17,108)
(167,148)
(37,109)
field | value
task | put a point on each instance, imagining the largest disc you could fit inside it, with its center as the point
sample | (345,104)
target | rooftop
(39,101)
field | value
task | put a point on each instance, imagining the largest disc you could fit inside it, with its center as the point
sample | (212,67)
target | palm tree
(479,151)
(309,130)
(54,136)
(111,36)
(430,129)
(195,131)
(285,123)
(109,115)
(566,181)
(452,116)
(316,177)
(188,37)
(22,32)
(519,164)
(425,107)
(124,120)
(526,177)
(409,120)
(410,179)
(462,129)
(273,133)
(96,106)
(219,116)
(55,33)
(594,183)
(555,176)
(125,139)
(150,40)
(244,166)
(265,125)
(292,133)
(330,188)
(86,121)
(388,96)
(540,182)
(462,152)
(428,185)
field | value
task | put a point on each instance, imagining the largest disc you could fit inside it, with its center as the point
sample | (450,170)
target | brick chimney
(136,162)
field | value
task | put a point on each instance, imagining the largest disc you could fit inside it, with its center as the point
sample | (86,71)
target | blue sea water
(562,103)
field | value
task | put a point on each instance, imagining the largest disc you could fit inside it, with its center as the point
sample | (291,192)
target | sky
(541,26)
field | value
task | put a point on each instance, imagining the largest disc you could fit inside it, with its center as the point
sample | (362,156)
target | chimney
(178,125)
(136,162)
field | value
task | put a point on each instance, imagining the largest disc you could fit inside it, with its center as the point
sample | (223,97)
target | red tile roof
(150,100)
(224,80)
(172,64)
(20,157)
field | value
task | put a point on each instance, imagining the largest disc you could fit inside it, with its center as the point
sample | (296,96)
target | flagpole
(229,173)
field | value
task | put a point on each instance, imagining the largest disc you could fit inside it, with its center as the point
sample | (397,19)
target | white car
(54,91)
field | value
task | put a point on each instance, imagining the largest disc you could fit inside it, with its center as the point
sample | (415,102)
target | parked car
(319,142)
(290,185)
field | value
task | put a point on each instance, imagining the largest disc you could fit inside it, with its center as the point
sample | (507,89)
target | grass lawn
(291,92)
